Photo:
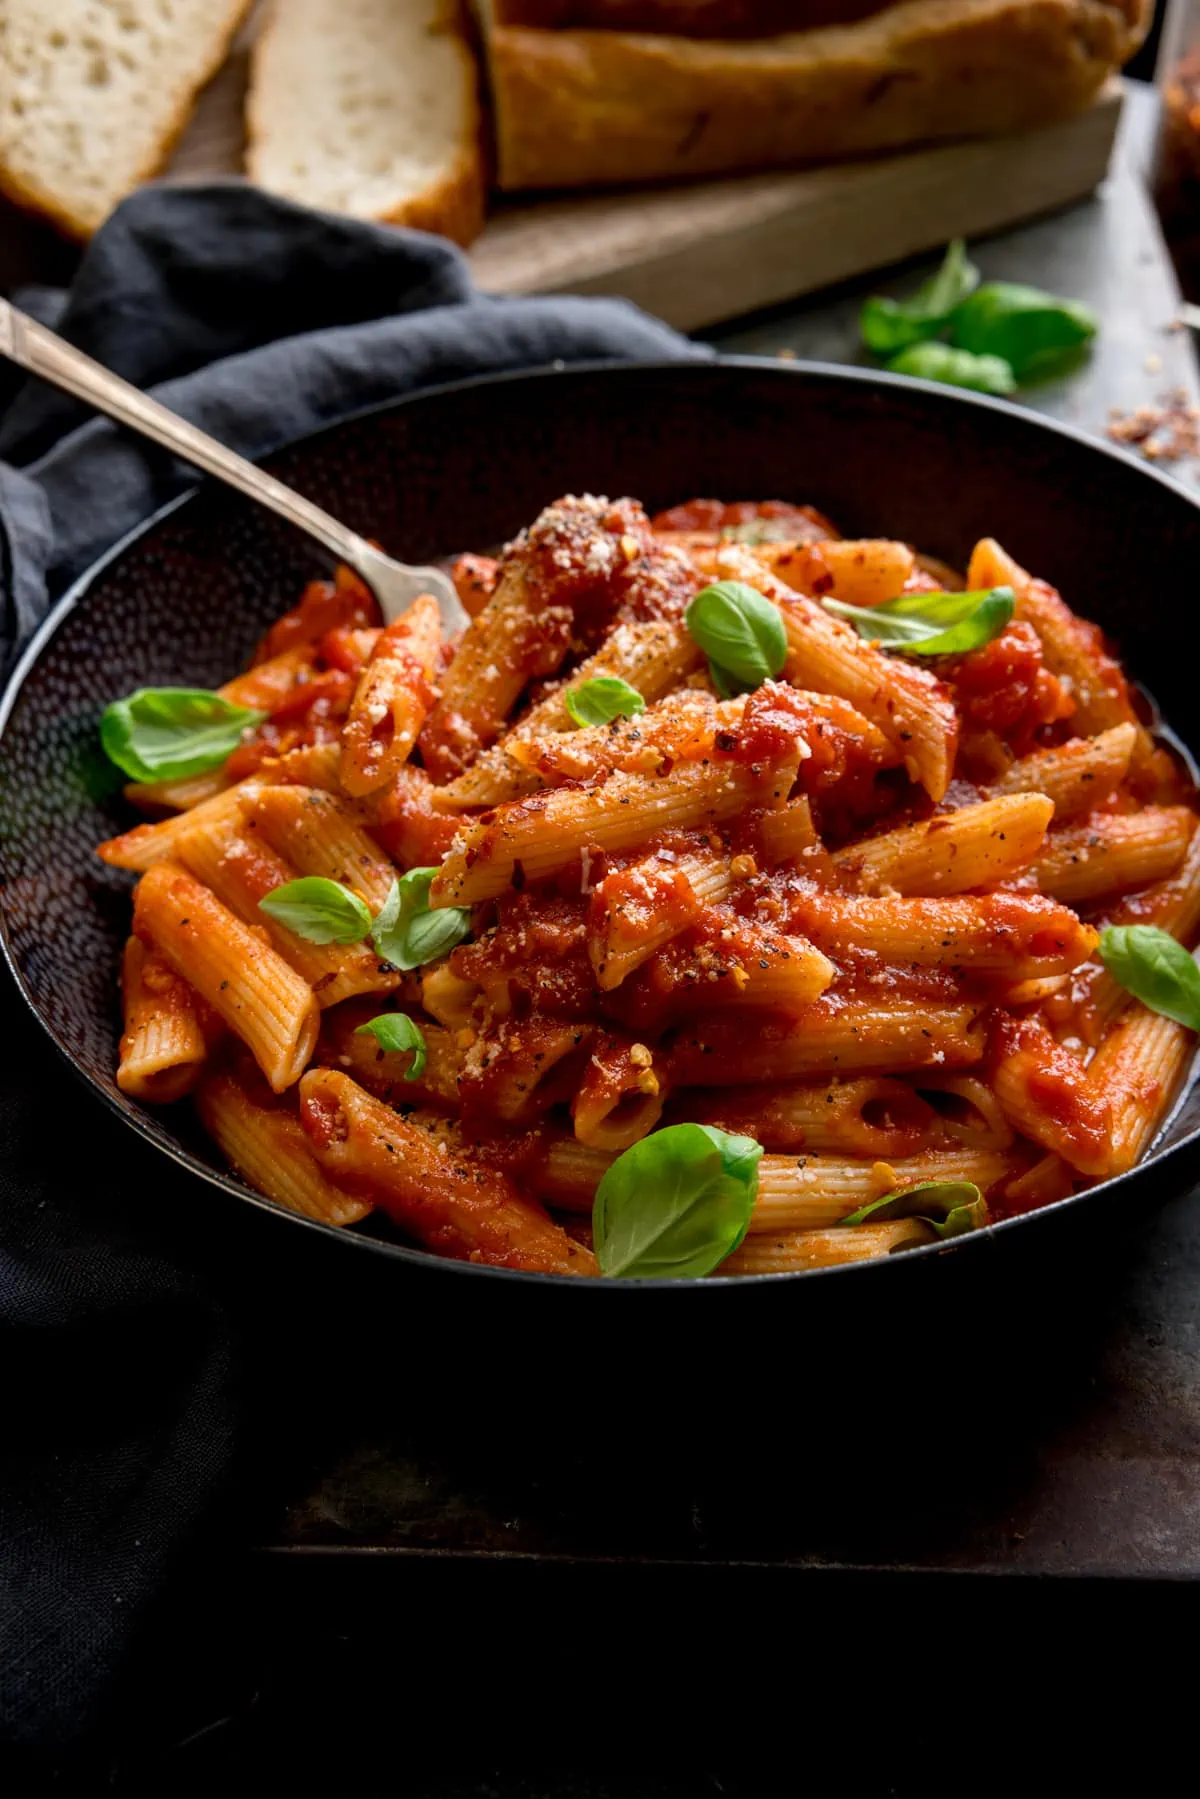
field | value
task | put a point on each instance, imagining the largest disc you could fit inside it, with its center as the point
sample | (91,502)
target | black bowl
(186,596)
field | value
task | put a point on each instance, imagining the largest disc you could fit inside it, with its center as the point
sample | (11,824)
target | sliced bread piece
(589,108)
(94,93)
(369,107)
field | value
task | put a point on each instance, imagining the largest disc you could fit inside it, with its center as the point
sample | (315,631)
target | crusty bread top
(586,108)
(93,94)
(367,107)
(686,18)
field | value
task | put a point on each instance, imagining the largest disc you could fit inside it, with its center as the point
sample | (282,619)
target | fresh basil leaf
(891,325)
(318,910)
(675,1204)
(396,1030)
(948,1207)
(407,933)
(740,632)
(1029,329)
(931,624)
(1155,968)
(956,368)
(171,733)
(599,701)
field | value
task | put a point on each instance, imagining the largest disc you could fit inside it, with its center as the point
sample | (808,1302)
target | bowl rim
(141,1122)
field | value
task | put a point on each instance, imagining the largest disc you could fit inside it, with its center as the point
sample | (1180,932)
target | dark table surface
(444,1602)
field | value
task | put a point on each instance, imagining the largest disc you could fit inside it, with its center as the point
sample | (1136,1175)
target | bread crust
(587,108)
(31,197)
(453,206)
(686,18)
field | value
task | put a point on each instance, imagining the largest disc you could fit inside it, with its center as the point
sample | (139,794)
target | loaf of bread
(369,107)
(686,18)
(93,96)
(581,108)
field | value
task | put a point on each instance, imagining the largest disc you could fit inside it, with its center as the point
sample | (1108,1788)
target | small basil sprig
(599,701)
(891,325)
(318,910)
(931,624)
(1155,968)
(949,1208)
(396,1030)
(172,733)
(675,1204)
(983,374)
(740,632)
(408,933)
(1036,333)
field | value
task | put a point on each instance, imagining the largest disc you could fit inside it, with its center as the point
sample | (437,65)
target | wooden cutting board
(699,253)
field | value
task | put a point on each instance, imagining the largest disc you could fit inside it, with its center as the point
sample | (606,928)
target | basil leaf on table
(891,325)
(408,933)
(396,1031)
(675,1204)
(956,368)
(740,632)
(172,733)
(599,701)
(931,624)
(1033,331)
(319,910)
(1155,968)
(949,1208)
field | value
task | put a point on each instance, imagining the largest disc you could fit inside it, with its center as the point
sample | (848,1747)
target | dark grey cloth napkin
(260,321)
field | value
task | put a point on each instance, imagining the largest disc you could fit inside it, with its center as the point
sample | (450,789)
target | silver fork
(42,352)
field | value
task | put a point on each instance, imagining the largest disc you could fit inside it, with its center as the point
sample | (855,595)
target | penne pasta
(393,696)
(145,845)
(1114,852)
(1135,1077)
(621,1094)
(859,571)
(163,1046)
(1077,776)
(457,1207)
(268,1147)
(815,1192)
(1046,1095)
(833,1035)
(320,835)
(953,852)
(233,967)
(876,1116)
(794,1252)
(1020,935)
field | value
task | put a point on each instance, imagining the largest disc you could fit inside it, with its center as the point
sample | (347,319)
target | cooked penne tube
(386,1071)
(788,834)
(1072,649)
(1047,1181)
(565,1172)
(636,910)
(449,998)
(145,845)
(264,685)
(1094,999)
(268,1147)
(233,967)
(908,704)
(175,796)
(815,1192)
(393,696)
(621,1094)
(862,571)
(457,1207)
(163,1046)
(653,656)
(309,765)
(977,846)
(1045,1094)
(876,1116)
(516,1072)
(836,1034)
(1021,935)
(728,961)
(572,550)
(320,835)
(1078,776)
(796,1251)
(967,1110)
(242,870)
(1113,852)
(549,831)
(1136,1075)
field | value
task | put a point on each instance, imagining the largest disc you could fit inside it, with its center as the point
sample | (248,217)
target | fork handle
(35,348)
